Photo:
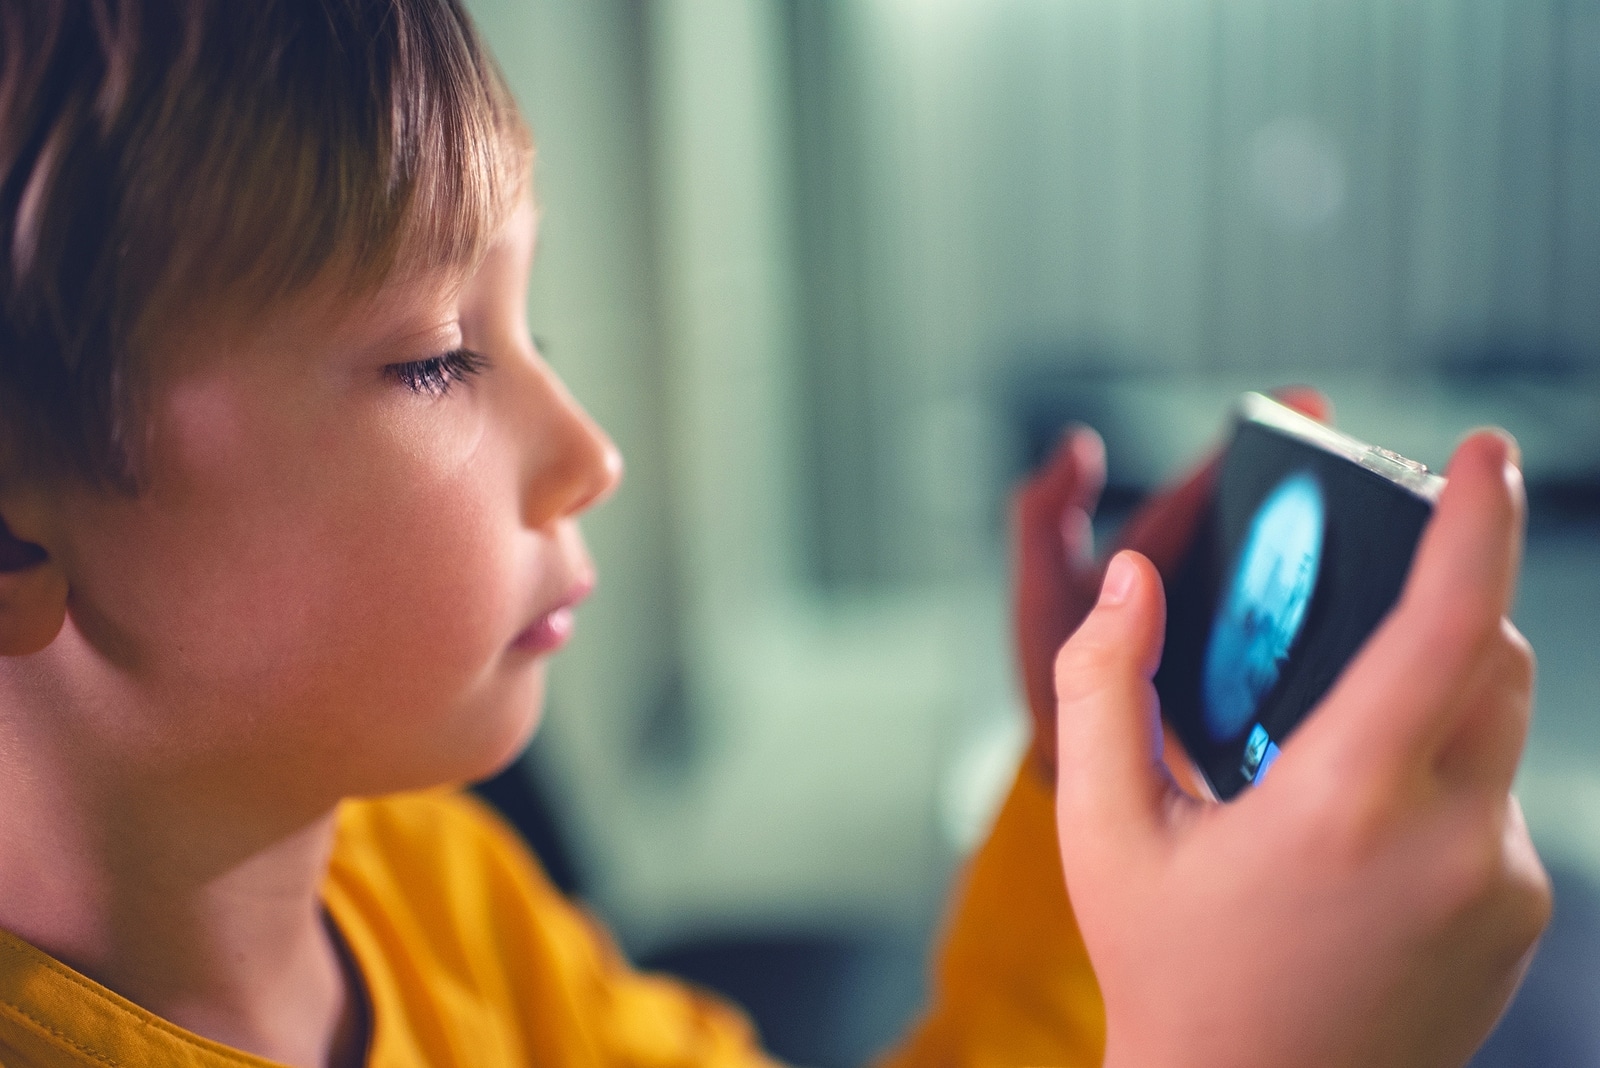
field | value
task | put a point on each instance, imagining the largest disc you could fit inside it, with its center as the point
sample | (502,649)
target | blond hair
(158,157)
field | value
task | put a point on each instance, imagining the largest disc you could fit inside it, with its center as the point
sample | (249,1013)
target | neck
(205,912)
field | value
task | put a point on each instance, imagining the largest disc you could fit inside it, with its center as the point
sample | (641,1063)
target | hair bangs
(363,156)
(162,160)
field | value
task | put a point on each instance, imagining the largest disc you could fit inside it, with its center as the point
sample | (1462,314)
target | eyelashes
(435,376)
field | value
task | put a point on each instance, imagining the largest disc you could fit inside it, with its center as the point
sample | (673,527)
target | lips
(550,631)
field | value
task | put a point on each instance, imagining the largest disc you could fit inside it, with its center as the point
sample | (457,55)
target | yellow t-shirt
(470,957)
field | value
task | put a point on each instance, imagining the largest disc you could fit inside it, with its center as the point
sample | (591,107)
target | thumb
(1108,724)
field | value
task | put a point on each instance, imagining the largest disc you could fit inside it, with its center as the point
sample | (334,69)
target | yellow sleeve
(1012,982)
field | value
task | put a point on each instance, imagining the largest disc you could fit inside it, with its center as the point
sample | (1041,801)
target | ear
(33,587)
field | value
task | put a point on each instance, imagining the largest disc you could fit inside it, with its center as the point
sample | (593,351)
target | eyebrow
(408,341)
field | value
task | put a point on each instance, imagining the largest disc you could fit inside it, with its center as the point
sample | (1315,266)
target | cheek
(343,602)
(427,587)
(416,550)
(414,646)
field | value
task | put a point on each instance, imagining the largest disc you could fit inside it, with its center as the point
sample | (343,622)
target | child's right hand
(1375,900)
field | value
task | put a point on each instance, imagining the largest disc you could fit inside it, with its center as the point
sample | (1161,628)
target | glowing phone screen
(1299,556)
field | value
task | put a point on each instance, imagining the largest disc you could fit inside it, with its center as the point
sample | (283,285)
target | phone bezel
(1409,475)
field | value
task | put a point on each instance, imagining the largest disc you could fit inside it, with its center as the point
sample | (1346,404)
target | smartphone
(1300,553)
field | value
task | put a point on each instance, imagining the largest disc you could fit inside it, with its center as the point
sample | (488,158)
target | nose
(575,464)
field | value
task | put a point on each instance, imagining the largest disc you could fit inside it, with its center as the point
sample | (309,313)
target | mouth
(551,630)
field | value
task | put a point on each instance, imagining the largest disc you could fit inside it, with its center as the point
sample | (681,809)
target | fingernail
(1077,533)
(1088,447)
(1120,574)
(1513,449)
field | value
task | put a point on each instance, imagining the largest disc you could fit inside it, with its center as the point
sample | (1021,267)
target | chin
(482,741)
(504,755)
(506,730)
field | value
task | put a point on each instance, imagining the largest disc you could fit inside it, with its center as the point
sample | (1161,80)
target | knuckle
(1080,667)
(1465,883)
(1074,671)
(1533,906)
(1066,657)
(1485,874)
(1521,664)
(1531,894)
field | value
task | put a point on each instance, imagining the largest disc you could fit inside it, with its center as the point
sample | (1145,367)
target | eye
(434,376)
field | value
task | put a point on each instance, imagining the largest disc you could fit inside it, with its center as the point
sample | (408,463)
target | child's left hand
(1057,573)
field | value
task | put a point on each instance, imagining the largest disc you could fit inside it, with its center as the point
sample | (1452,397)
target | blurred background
(835,272)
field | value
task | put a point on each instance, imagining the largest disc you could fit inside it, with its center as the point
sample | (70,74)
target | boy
(289,508)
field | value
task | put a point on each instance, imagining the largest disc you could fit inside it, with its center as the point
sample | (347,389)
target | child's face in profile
(352,551)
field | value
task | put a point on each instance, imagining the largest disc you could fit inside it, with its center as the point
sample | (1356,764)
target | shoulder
(449,916)
(396,826)
(439,872)
(458,935)
(439,845)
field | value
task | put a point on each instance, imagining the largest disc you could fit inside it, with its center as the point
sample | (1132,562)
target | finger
(1073,477)
(1044,619)
(1306,400)
(1470,554)
(1088,451)
(1164,527)
(1076,533)
(1109,727)
(1487,746)
(1054,546)
(1053,536)
(1400,700)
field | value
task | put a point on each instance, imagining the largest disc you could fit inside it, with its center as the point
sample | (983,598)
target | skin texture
(1375,901)
(316,594)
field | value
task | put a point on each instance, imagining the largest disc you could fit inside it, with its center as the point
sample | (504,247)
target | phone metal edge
(1407,474)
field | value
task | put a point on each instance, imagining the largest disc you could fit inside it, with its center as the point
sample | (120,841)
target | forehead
(418,300)
(413,307)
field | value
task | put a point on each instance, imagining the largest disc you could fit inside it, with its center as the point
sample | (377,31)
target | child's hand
(1057,573)
(1374,901)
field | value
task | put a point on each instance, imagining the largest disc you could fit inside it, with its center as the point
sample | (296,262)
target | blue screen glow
(1265,606)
